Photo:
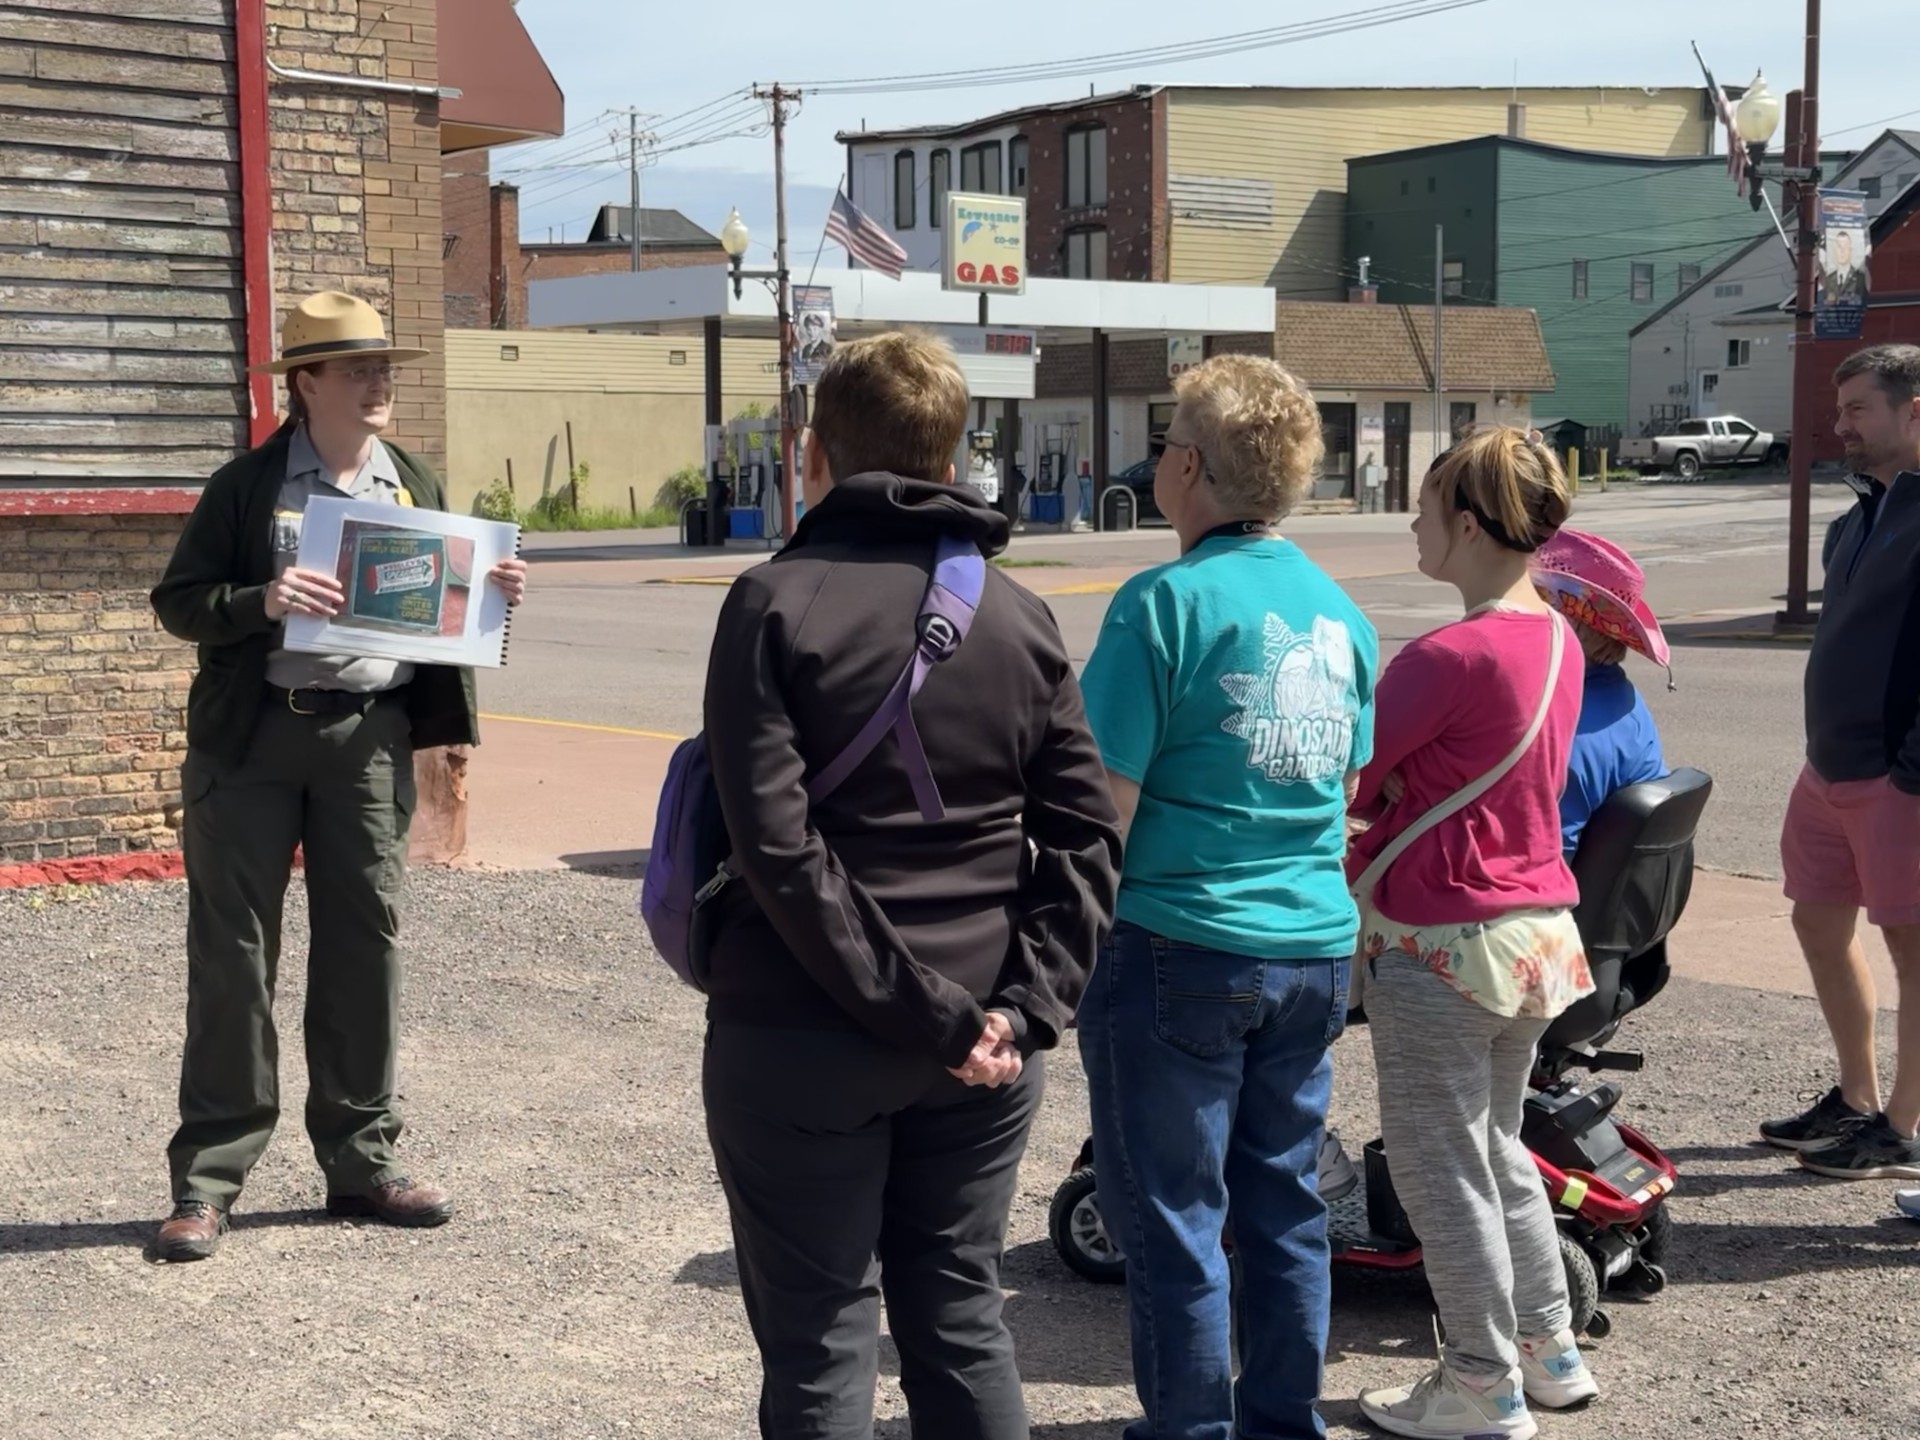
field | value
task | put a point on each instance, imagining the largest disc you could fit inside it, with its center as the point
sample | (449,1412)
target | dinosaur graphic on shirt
(1297,716)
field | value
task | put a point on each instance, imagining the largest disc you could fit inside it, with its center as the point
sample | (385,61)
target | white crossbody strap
(1465,796)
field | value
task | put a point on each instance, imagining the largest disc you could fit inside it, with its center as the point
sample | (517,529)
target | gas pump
(980,464)
(754,449)
(1053,468)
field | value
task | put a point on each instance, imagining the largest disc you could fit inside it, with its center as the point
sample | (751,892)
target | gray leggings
(1452,1078)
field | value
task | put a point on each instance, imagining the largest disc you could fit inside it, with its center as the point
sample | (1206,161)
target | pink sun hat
(1595,582)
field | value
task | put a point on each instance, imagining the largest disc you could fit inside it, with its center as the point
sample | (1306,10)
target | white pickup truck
(1695,445)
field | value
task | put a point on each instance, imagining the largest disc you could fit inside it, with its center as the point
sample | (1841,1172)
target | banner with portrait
(812,332)
(1840,286)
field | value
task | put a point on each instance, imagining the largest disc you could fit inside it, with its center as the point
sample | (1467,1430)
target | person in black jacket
(882,987)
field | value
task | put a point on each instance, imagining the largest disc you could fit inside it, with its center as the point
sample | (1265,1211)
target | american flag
(864,238)
(1736,147)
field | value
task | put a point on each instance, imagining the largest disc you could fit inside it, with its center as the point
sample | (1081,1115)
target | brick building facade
(251,159)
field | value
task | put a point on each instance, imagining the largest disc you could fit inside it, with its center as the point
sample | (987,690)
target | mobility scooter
(1608,1182)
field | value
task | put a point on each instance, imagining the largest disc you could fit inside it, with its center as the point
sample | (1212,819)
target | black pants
(853,1170)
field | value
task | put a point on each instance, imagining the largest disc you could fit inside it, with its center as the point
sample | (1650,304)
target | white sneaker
(1445,1407)
(1908,1202)
(1337,1177)
(1555,1373)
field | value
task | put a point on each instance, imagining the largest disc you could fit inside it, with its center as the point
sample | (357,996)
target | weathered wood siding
(122,346)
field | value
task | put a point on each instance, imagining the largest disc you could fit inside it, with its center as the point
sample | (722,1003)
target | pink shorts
(1853,842)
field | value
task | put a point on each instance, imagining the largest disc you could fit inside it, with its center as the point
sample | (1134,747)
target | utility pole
(780,96)
(633,183)
(1803,153)
(1439,305)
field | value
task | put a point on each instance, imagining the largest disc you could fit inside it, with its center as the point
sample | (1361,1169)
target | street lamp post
(734,239)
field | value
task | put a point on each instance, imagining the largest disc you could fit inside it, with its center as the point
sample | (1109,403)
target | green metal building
(1594,243)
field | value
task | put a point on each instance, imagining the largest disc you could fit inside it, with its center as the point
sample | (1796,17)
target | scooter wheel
(1599,1325)
(1080,1234)
(1658,1238)
(1583,1283)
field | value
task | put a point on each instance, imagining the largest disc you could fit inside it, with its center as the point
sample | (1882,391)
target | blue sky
(672,59)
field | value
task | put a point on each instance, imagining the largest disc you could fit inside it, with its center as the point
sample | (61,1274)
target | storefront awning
(507,92)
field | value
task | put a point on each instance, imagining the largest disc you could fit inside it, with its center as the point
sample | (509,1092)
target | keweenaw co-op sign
(985,244)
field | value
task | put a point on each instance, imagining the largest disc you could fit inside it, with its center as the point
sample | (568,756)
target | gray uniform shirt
(378,481)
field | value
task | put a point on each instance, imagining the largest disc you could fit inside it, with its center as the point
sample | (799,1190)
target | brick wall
(1134,367)
(466,208)
(357,183)
(506,289)
(91,689)
(1135,207)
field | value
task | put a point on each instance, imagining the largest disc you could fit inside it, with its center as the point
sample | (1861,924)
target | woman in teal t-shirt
(1231,693)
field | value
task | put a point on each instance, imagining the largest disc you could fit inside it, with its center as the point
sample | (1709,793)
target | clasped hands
(993,1060)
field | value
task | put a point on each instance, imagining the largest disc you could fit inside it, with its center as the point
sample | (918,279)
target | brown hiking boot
(192,1231)
(398,1202)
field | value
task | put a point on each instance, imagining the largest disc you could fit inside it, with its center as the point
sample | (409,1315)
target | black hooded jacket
(857,913)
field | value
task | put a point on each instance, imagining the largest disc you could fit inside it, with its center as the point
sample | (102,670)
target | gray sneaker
(1338,1179)
(1873,1150)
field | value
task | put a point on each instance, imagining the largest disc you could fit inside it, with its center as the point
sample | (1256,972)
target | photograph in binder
(413,580)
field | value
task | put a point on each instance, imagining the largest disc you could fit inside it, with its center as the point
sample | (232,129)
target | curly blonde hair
(1257,429)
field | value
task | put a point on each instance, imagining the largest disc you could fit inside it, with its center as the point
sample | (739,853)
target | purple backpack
(692,858)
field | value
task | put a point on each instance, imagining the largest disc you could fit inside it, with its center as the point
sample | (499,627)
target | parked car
(1139,479)
(1703,444)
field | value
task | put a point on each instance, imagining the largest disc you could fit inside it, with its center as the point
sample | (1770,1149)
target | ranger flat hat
(334,326)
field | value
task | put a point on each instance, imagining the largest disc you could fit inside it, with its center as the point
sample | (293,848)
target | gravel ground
(587,1288)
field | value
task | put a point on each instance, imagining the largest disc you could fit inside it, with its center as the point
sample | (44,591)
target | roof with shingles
(1390,347)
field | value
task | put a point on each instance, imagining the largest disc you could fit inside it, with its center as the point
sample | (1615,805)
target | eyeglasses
(385,373)
(1158,445)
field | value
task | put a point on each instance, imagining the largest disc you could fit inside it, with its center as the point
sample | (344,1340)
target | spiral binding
(506,630)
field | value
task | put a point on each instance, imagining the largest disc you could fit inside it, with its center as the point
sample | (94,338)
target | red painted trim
(256,205)
(105,501)
(94,870)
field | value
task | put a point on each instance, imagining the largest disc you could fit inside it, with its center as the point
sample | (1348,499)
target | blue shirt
(1235,687)
(1615,746)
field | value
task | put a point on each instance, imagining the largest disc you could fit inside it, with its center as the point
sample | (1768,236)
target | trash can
(693,524)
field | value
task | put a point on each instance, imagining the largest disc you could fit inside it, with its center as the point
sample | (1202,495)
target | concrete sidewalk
(547,795)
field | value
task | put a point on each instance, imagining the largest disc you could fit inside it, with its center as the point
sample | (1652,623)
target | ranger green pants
(341,786)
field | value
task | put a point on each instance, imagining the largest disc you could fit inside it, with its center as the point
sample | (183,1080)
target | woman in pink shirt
(1469,940)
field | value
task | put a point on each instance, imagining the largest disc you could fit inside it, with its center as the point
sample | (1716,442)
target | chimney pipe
(1517,121)
(1364,292)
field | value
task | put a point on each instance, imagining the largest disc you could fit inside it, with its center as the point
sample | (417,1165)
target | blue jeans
(1210,1078)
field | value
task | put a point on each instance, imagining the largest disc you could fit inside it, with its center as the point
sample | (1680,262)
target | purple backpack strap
(946,614)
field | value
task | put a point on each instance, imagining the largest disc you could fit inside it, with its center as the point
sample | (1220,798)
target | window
(980,169)
(1731,291)
(1087,166)
(1870,186)
(1461,418)
(1689,276)
(1453,278)
(1739,354)
(906,194)
(1579,279)
(1642,287)
(1739,429)
(1692,427)
(1018,154)
(1336,429)
(939,182)
(1433,184)
(1086,254)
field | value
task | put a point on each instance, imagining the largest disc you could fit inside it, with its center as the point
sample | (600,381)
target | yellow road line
(579,725)
(693,580)
(1092,587)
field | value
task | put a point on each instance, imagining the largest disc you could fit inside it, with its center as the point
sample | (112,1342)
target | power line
(1239,43)
(1870,125)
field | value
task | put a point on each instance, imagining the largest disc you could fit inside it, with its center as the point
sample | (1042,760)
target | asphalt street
(612,633)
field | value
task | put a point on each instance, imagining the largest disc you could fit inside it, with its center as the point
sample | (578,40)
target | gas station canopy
(673,301)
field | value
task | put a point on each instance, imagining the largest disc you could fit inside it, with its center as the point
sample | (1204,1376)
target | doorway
(1399,449)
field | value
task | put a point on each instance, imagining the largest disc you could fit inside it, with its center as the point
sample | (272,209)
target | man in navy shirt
(1597,586)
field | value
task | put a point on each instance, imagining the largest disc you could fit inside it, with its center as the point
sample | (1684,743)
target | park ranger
(288,750)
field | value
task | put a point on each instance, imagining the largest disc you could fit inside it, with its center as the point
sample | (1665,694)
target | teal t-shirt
(1235,687)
